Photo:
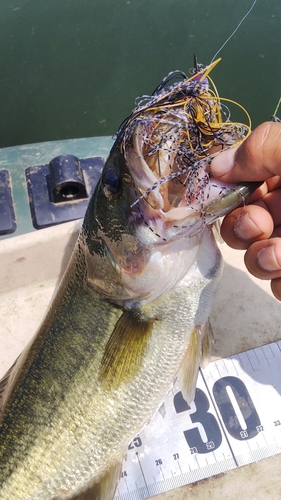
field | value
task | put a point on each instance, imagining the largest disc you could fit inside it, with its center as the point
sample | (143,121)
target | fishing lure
(176,132)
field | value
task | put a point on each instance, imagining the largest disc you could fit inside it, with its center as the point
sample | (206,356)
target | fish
(131,313)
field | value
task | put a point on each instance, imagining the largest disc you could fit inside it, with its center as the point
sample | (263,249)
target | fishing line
(275,118)
(233,33)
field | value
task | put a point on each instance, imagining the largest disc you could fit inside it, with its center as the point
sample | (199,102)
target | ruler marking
(126,485)
(138,459)
(256,354)
(274,439)
(219,419)
(272,352)
(240,360)
(250,361)
(225,367)
(216,366)
(179,466)
(263,351)
(140,495)
(264,438)
(254,372)
(233,365)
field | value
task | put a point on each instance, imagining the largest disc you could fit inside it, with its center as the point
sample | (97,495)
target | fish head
(156,193)
(129,242)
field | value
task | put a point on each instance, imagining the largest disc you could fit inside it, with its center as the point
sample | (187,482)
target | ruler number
(230,390)
(137,442)
(158,462)
(210,445)
(277,422)
(237,410)
(244,434)
(176,456)
(193,450)
(204,434)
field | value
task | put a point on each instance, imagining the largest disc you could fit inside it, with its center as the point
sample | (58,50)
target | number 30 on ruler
(235,406)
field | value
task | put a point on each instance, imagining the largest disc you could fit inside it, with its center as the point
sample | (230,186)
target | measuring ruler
(234,420)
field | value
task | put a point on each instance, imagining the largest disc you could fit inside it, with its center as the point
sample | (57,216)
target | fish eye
(111,180)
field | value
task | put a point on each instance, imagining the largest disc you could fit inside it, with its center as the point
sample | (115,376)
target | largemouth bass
(132,310)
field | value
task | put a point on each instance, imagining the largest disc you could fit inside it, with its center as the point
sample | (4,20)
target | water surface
(72,69)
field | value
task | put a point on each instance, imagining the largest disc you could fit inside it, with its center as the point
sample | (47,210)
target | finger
(272,184)
(272,203)
(245,225)
(276,288)
(276,233)
(257,194)
(258,158)
(263,259)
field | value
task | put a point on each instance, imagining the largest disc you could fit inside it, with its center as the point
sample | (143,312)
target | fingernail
(266,259)
(223,163)
(245,228)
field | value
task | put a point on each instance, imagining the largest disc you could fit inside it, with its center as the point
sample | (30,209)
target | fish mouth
(169,143)
(178,189)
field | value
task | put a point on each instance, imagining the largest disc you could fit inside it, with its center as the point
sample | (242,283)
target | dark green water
(72,68)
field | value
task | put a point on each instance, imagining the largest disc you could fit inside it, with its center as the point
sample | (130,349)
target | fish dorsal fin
(197,354)
(105,486)
(125,348)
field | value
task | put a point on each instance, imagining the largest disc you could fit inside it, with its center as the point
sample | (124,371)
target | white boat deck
(245,315)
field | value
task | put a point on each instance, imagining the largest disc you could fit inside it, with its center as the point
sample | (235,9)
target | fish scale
(60,441)
(131,313)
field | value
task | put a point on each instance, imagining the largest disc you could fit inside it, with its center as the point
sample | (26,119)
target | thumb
(257,159)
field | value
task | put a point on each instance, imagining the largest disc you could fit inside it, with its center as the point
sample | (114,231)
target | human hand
(256,227)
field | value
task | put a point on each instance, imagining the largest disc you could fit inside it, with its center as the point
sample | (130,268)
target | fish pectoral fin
(4,383)
(188,371)
(125,348)
(105,486)
(197,354)
(207,341)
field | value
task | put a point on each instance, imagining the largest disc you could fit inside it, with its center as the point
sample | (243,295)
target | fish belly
(66,427)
